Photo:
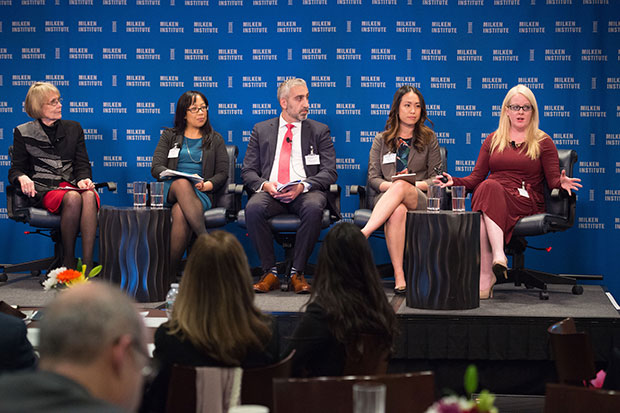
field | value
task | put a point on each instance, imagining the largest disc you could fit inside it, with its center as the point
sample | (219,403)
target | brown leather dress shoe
(299,284)
(267,283)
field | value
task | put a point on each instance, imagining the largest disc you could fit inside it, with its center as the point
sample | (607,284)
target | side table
(442,260)
(134,250)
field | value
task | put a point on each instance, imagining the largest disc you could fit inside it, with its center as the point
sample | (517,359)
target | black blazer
(15,350)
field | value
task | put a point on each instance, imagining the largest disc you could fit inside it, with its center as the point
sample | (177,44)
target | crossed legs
(491,251)
(187,217)
(78,213)
(391,210)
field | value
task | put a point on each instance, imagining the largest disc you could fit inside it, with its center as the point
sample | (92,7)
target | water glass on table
(458,198)
(433,198)
(157,195)
(368,397)
(139,194)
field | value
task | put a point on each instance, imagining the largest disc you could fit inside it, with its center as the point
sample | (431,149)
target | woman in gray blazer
(406,146)
(191,147)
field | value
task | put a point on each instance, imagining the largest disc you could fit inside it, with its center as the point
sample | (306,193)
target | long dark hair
(347,286)
(422,134)
(180,122)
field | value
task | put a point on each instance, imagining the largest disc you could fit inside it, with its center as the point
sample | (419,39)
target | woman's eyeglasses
(54,102)
(195,109)
(516,108)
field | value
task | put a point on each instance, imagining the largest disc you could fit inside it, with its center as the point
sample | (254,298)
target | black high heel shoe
(400,290)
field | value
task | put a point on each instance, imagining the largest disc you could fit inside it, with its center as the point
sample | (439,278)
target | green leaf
(470,380)
(95,271)
(79,264)
(486,401)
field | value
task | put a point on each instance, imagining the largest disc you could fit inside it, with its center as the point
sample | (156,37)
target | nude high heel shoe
(488,293)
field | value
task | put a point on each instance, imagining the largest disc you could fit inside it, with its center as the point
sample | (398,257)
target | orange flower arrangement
(63,277)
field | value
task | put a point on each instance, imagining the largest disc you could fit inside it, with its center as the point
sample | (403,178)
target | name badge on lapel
(389,158)
(313,159)
(174,152)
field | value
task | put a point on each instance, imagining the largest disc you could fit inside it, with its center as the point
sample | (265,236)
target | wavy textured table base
(134,251)
(442,260)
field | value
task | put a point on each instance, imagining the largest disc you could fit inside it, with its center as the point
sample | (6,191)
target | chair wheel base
(3,278)
(577,290)
(284,287)
(543,295)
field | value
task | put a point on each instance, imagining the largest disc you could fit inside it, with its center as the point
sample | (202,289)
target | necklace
(190,155)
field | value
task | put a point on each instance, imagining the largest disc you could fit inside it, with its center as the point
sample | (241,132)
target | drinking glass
(139,194)
(157,195)
(433,198)
(458,198)
(369,397)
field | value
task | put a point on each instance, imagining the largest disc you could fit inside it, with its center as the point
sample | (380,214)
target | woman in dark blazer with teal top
(194,148)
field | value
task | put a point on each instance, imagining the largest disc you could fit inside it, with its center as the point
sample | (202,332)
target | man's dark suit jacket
(15,350)
(315,138)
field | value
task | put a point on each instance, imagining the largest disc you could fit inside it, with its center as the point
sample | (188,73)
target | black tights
(78,213)
(187,217)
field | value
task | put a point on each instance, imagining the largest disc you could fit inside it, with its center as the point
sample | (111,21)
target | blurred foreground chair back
(203,389)
(370,356)
(257,383)
(561,398)
(407,392)
(573,353)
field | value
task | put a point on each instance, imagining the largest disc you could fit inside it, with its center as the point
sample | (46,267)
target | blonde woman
(513,164)
(50,165)
(214,321)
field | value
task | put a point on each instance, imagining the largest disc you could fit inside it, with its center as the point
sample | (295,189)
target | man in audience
(288,149)
(15,350)
(93,351)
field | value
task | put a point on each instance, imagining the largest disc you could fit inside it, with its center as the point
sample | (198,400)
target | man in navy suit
(15,350)
(288,149)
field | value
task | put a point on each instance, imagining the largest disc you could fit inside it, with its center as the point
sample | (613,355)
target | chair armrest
(110,186)
(16,204)
(360,191)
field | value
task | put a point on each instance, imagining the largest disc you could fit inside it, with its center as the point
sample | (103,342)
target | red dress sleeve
(550,162)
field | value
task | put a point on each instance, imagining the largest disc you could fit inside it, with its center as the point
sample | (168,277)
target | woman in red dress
(51,167)
(507,181)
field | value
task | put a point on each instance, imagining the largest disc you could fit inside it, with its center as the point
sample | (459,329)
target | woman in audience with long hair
(347,300)
(214,320)
(192,146)
(407,145)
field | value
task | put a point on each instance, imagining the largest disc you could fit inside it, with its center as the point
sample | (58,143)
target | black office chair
(284,228)
(44,222)
(367,202)
(226,203)
(560,216)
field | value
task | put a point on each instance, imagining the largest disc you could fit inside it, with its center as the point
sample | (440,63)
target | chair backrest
(370,356)
(563,205)
(371,193)
(573,353)
(257,383)
(224,198)
(408,392)
(561,398)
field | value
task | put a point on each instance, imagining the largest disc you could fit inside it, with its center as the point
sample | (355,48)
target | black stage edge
(506,337)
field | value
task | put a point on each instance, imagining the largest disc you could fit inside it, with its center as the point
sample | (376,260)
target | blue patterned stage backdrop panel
(122,64)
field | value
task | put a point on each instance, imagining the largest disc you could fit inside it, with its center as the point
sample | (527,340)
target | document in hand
(407,177)
(170,173)
(282,187)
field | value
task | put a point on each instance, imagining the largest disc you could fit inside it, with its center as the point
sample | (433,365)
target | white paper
(170,173)
(389,157)
(313,159)
(154,322)
(282,187)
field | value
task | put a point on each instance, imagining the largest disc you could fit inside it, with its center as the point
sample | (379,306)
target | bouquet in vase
(66,278)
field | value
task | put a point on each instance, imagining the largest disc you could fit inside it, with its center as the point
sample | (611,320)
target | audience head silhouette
(348,287)
(215,307)
(93,335)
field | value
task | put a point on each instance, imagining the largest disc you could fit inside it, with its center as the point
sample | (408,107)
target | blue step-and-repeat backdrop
(122,64)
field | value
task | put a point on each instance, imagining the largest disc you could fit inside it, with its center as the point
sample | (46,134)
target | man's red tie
(285,156)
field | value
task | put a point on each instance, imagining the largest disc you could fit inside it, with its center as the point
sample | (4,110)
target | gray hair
(36,96)
(285,87)
(80,324)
